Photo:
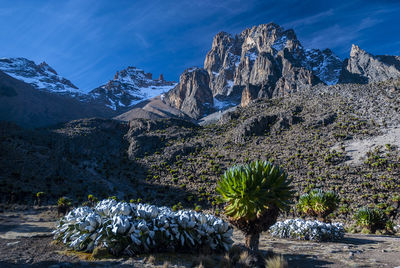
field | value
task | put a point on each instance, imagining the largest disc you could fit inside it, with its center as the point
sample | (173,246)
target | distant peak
(192,69)
(45,66)
(222,34)
(356,50)
(272,25)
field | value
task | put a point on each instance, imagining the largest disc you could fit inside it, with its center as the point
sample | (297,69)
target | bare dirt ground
(26,241)
(358,149)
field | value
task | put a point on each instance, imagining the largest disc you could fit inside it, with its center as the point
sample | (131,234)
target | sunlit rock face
(192,95)
(269,58)
(363,67)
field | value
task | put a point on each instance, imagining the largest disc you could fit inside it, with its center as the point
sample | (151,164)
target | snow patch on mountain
(280,43)
(221,105)
(41,77)
(129,87)
(325,65)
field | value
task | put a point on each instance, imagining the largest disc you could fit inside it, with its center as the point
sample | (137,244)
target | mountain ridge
(263,61)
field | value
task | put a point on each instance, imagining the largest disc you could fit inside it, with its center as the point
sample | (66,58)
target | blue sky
(87,41)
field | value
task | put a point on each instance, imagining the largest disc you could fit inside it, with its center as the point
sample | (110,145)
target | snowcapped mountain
(325,64)
(41,76)
(129,87)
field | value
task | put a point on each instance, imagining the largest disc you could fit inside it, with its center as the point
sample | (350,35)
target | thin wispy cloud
(337,35)
(309,20)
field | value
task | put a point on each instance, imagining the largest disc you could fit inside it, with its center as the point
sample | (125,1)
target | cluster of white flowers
(138,228)
(307,230)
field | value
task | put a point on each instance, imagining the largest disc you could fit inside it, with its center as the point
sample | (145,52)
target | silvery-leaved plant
(307,230)
(135,228)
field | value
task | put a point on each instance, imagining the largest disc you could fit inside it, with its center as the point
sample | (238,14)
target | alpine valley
(332,124)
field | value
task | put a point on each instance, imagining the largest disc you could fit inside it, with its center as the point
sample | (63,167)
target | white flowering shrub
(137,228)
(307,230)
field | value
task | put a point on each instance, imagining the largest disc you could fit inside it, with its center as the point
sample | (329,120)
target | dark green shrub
(39,198)
(64,204)
(371,219)
(92,200)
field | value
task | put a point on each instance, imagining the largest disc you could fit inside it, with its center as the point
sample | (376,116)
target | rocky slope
(129,87)
(40,76)
(171,161)
(155,108)
(363,67)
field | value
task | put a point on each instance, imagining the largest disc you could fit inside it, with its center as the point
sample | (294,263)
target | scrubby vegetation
(39,198)
(178,164)
(64,204)
(371,219)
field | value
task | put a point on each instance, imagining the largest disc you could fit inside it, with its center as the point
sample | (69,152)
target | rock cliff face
(192,95)
(363,67)
(271,59)
(129,87)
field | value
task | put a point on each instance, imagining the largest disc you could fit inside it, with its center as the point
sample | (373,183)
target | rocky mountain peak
(269,37)
(41,76)
(356,51)
(268,57)
(363,67)
(45,66)
(324,64)
(192,95)
(221,39)
(129,87)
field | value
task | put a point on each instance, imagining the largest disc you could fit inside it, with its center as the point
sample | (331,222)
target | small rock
(351,255)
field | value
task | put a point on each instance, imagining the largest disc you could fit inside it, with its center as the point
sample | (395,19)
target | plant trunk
(252,241)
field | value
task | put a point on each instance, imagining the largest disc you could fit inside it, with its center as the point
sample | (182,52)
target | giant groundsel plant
(254,195)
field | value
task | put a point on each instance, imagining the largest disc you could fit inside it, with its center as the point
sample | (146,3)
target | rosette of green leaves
(371,218)
(318,203)
(254,195)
